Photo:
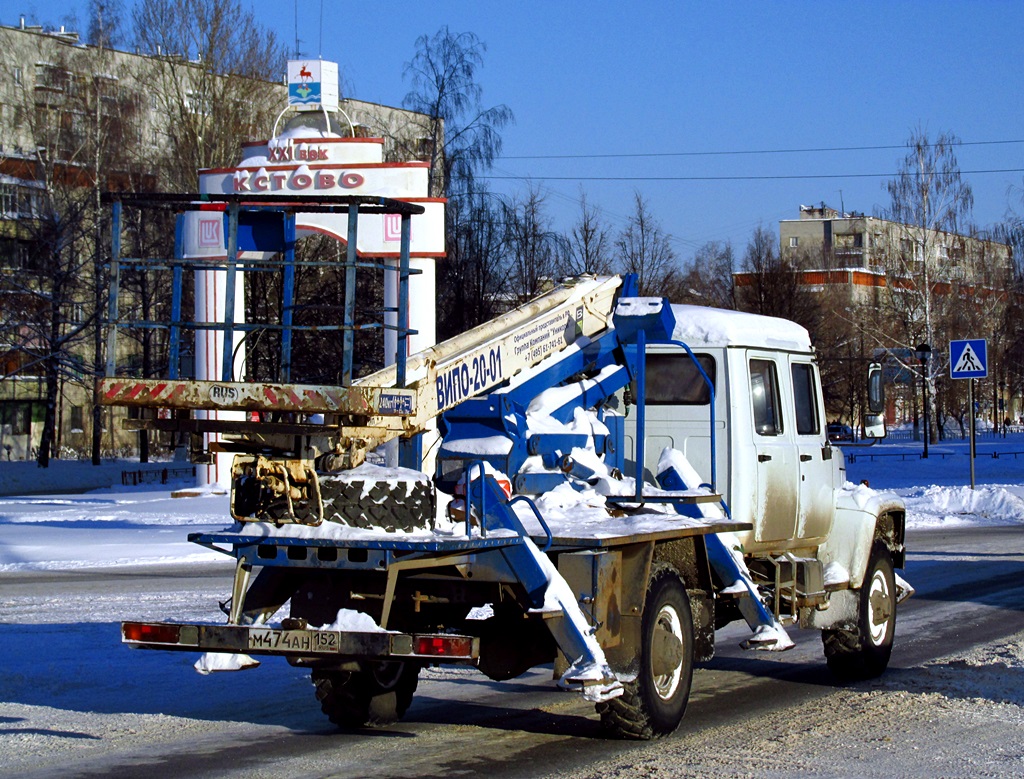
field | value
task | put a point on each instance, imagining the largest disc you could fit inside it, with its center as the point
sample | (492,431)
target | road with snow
(80,704)
(75,702)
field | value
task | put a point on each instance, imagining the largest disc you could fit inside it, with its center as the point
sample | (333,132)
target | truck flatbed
(588,530)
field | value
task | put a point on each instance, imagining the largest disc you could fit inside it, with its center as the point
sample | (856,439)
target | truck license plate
(293,640)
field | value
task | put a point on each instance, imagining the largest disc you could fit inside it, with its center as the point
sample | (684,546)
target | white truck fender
(845,553)
(848,546)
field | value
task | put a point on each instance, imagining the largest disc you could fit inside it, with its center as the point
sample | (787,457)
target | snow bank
(936,506)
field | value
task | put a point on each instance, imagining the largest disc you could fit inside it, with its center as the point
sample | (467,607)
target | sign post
(968,359)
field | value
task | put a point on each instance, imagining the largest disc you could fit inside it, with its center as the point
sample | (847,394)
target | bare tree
(473,279)
(925,256)
(589,244)
(104,29)
(774,287)
(707,280)
(212,59)
(80,121)
(534,249)
(644,249)
(462,137)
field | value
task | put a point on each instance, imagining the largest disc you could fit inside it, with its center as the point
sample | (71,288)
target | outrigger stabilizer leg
(769,633)
(550,595)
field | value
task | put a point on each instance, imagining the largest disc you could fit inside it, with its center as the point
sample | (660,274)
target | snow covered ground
(143,525)
(937,490)
(123,527)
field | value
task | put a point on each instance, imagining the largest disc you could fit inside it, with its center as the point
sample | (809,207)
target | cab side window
(805,399)
(673,380)
(764,393)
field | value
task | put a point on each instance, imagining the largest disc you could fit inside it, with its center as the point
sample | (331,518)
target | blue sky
(702,86)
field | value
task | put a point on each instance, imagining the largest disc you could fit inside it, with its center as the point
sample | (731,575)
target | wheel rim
(665,685)
(879,607)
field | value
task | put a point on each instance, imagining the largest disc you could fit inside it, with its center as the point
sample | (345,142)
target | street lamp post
(922,353)
(1001,408)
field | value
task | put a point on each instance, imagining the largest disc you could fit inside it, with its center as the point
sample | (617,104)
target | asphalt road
(139,715)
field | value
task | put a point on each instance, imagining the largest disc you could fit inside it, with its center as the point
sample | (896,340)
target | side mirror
(874,426)
(874,420)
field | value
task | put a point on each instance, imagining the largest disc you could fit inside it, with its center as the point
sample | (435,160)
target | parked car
(838,432)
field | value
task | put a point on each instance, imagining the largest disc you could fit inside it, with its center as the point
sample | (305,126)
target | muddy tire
(376,697)
(653,705)
(862,651)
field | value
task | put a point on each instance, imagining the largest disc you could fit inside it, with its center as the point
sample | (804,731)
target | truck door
(816,468)
(777,472)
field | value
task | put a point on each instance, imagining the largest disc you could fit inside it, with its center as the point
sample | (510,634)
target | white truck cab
(773,464)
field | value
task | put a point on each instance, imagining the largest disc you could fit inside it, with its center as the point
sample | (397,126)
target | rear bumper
(302,642)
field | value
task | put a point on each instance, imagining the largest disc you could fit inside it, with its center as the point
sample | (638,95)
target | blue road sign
(968,359)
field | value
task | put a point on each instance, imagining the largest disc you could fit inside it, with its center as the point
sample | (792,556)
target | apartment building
(77,119)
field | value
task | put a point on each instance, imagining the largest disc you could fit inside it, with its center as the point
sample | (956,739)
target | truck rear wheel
(653,704)
(375,697)
(863,652)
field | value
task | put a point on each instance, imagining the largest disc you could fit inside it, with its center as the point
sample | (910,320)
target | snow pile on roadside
(947,506)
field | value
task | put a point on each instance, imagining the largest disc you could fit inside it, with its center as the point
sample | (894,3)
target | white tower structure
(311,158)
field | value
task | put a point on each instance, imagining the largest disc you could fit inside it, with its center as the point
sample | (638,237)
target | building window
(794,242)
(14,254)
(17,76)
(8,201)
(198,103)
(424,147)
(849,240)
(77,421)
(17,416)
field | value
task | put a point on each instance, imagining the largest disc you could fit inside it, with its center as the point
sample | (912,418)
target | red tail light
(441,646)
(147,633)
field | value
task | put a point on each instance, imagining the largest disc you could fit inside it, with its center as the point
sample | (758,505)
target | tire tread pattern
(355,700)
(626,717)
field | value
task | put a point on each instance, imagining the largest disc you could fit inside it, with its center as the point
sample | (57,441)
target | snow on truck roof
(699,325)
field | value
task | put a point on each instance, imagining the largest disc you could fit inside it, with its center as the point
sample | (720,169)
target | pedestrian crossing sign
(968,359)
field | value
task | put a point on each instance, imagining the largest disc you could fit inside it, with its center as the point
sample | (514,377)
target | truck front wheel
(374,697)
(653,704)
(863,652)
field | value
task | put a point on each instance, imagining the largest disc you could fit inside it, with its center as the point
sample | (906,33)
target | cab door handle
(763,458)
(805,458)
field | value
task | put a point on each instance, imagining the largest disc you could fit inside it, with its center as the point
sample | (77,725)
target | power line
(793,177)
(886,147)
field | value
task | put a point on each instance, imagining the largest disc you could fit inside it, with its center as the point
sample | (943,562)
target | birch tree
(925,256)
(461,136)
